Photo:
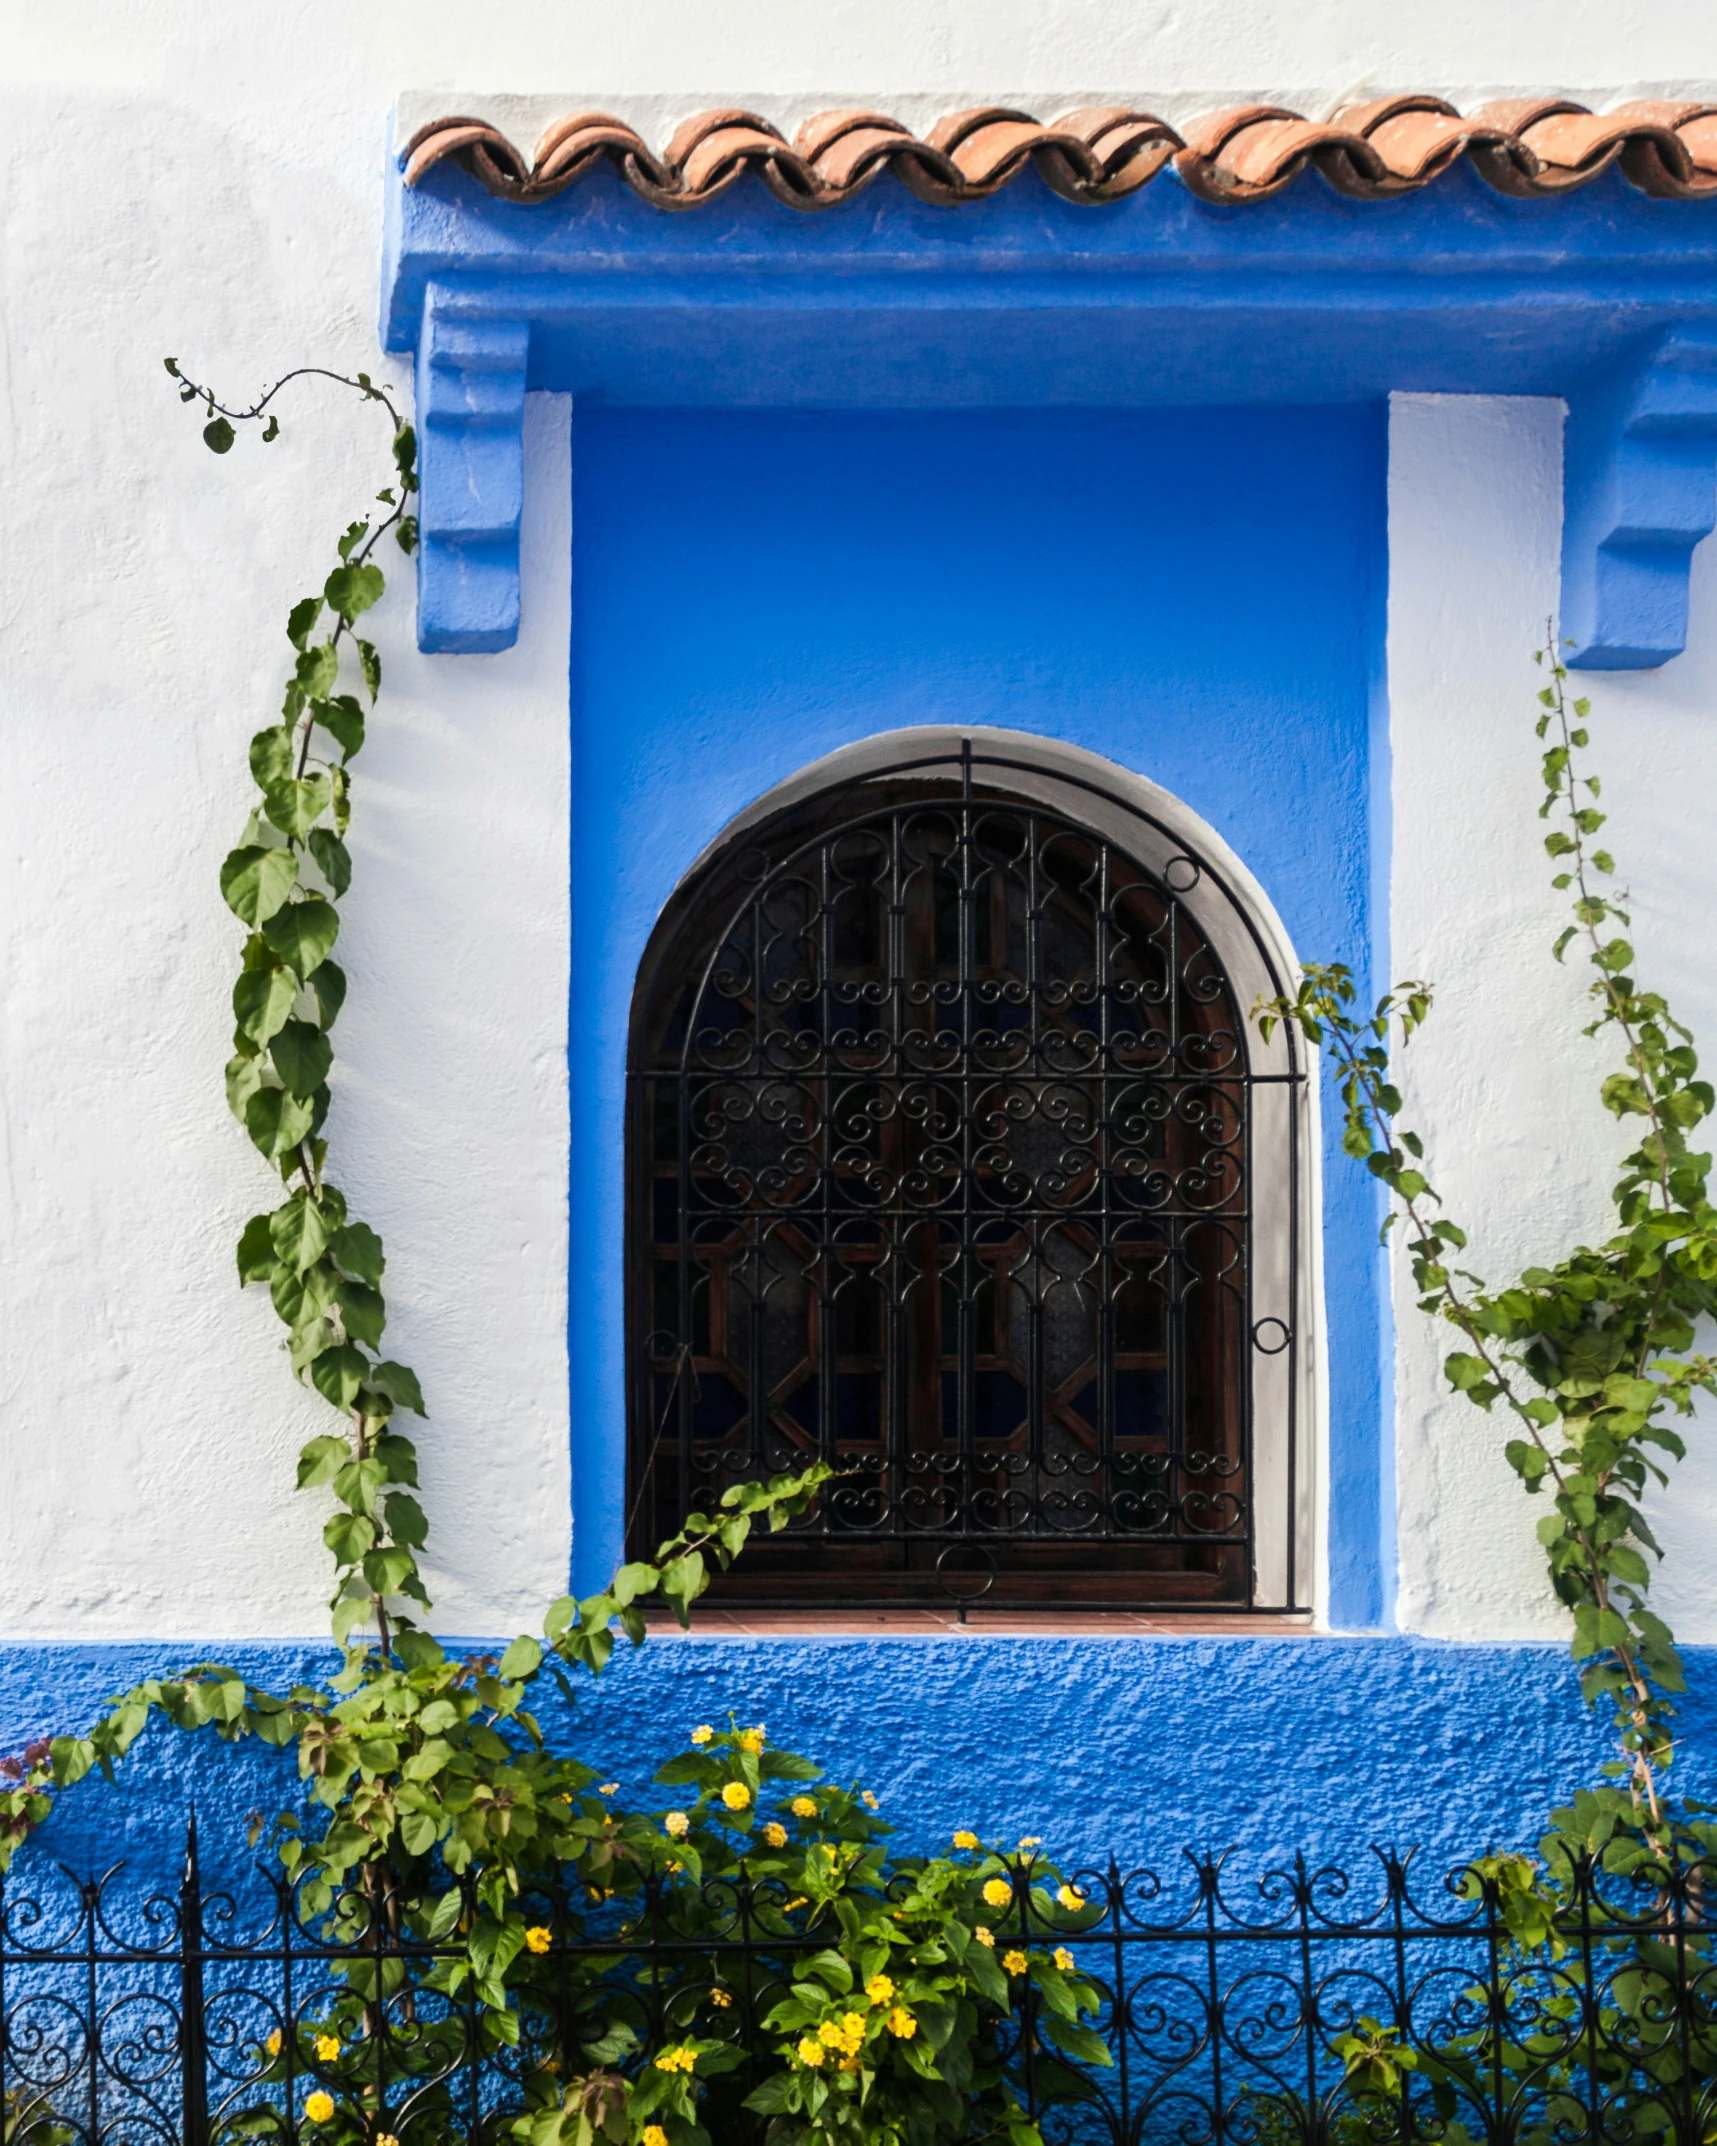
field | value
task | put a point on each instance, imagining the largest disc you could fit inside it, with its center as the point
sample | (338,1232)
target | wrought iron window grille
(954,1160)
(1230,2008)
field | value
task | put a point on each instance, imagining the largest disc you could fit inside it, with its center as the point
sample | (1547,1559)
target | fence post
(194,2090)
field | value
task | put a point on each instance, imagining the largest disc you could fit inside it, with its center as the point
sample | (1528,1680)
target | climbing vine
(1589,1359)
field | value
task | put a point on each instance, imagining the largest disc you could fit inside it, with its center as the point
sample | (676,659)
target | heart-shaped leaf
(302,1056)
(256,882)
(262,1001)
(303,934)
(276,1121)
(299,1233)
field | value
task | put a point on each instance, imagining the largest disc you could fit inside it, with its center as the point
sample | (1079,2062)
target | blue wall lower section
(1140,1747)
(1196,594)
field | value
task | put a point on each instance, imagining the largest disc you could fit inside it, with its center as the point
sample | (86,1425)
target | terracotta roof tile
(1389,146)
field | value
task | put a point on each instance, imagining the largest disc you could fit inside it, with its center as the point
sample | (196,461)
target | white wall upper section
(1502,1082)
(208,181)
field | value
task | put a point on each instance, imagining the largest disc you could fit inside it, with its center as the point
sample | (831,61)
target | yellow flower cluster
(985,1936)
(610,1788)
(319,2107)
(902,2024)
(736,1795)
(676,1825)
(1071,1898)
(803,1807)
(1063,1959)
(868,1800)
(537,1939)
(965,1838)
(386,2138)
(879,1989)
(654,2135)
(997,1892)
(752,1740)
(811,2051)
(702,1733)
(844,2035)
(1015,1962)
(775,1835)
(327,2048)
(680,2058)
(721,1999)
(1032,1840)
(273,2043)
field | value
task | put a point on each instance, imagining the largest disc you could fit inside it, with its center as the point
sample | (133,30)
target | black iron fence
(1305,2004)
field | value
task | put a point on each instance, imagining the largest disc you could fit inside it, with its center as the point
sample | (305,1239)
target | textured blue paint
(1136,1746)
(1641,484)
(1029,300)
(1196,594)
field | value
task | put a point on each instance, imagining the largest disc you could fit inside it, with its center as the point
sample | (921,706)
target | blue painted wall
(1197,594)
(1140,1746)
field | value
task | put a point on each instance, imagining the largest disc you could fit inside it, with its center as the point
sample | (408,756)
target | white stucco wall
(208,182)
(1501,1082)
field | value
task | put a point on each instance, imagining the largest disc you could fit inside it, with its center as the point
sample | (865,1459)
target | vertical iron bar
(193,2051)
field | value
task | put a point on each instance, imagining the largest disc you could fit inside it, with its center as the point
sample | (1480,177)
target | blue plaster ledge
(1138,1747)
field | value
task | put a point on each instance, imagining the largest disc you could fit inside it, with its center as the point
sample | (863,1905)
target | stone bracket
(1639,491)
(470,420)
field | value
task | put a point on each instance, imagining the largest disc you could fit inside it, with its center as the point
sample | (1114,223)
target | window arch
(954,1159)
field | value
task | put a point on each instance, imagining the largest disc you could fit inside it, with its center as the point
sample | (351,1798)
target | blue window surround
(1022,303)
(1606,298)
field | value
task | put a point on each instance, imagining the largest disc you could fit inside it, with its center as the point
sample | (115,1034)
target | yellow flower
(721,1998)
(852,2030)
(751,1740)
(997,1892)
(537,1939)
(803,1807)
(677,1825)
(775,1835)
(1063,1959)
(386,2138)
(654,2135)
(736,1795)
(675,1866)
(811,2051)
(850,2063)
(612,1788)
(829,2033)
(879,1989)
(702,1733)
(681,2058)
(965,1838)
(319,2107)
(1015,1962)
(985,1936)
(1071,1897)
(273,2043)
(868,1799)
(327,2048)
(1032,1840)
(902,2023)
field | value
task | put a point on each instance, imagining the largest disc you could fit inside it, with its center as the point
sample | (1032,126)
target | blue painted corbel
(470,417)
(1639,491)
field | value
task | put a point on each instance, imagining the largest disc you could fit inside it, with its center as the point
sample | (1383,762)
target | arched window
(956,1161)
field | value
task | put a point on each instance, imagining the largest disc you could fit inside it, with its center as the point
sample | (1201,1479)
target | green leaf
(262,1002)
(298,1233)
(333,859)
(351,590)
(276,1121)
(244,1078)
(218,435)
(522,1659)
(371,665)
(256,1255)
(358,1251)
(338,1373)
(317,670)
(1465,1372)
(302,1056)
(295,807)
(256,882)
(399,1385)
(301,618)
(329,984)
(348,1535)
(321,1460)
(388,1571)
(271,755)
(362,1313)
(303,934)
(343,720)
(301,1299)
(407,1524)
